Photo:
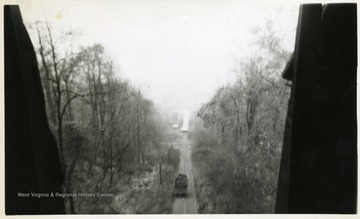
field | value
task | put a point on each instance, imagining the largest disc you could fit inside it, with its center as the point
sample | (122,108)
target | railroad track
(186,205)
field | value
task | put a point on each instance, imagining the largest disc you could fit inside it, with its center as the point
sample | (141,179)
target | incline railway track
(187,204)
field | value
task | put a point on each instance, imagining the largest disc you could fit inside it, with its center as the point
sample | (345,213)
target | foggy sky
(177,52)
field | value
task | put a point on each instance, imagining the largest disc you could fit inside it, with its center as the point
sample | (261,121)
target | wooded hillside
(110,137)
(237,135)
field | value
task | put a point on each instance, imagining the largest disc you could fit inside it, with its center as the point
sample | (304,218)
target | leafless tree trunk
(48,81)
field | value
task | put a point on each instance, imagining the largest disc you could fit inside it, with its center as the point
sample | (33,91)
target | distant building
(186,119)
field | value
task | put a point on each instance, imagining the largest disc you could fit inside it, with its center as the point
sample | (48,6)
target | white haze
(177,52)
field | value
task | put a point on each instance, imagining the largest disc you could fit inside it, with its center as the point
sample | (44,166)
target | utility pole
(160,173)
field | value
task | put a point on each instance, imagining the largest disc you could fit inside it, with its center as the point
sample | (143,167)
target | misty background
(176,52)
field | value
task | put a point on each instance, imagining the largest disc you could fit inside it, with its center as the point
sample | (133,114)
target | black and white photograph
(149,107)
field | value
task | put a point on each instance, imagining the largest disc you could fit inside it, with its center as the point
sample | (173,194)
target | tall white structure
(186,119)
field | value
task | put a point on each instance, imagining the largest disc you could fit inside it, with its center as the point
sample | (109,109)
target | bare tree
(248,116)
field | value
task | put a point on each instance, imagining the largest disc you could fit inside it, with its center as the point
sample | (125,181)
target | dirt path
(188,204)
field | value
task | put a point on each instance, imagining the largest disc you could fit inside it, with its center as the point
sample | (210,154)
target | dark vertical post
(160,173)
(318,172)
(32,162)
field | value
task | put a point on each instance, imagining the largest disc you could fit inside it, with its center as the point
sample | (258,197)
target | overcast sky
(177,51)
